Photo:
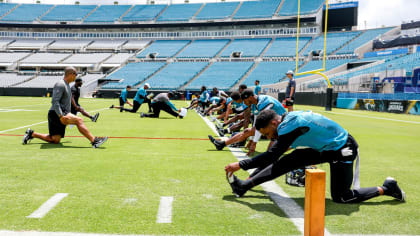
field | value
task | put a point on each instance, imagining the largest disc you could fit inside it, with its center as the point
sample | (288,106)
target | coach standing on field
(59,115)
(290,91)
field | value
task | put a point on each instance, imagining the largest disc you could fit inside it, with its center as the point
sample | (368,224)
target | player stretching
(139,99)
(162,102)
(123,99)
(59,115)
(75,106)
(320,140)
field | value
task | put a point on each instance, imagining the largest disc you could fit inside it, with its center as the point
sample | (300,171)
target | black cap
(246,94)
(79,80)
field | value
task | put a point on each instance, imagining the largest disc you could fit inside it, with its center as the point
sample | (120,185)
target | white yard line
(372,117)
(42,122)
(48,205)
(22,127)
(276,193)
(165,210)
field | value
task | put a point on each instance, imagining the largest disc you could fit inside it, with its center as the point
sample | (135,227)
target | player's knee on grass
(55,139)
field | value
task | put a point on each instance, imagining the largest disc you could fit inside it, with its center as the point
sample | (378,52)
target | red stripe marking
(147,138)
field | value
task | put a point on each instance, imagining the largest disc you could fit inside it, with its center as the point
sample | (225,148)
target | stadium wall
(310,98)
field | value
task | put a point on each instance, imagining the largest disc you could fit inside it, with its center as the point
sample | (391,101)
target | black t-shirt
(75,91)
(292,84)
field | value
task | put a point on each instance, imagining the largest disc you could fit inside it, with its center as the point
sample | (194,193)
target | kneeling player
(325,142)
(162,102)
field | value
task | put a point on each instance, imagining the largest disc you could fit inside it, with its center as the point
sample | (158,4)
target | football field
(163,176)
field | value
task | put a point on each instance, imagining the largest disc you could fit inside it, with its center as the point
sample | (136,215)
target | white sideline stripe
(372,117)
(48,205)
(276,193)
(165,210)
(42,122)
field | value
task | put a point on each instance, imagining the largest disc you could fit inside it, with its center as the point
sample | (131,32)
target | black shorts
(121,102)
(290,103)
(55,126)
(73,109)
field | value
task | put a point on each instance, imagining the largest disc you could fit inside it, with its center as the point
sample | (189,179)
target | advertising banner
(342,5)
(391,106)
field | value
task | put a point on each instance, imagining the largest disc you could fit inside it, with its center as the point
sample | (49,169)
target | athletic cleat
(99,141)
(141,114)
(217,143)
(237,145)
(392,189)
(95,117)
(27,136)
(234,183)
(180,117)
(112,106)
(221,132)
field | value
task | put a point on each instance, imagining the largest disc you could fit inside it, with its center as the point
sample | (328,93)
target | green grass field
(116,189)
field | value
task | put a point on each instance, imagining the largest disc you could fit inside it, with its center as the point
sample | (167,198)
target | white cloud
(387,12)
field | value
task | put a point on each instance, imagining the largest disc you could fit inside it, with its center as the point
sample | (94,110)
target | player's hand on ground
(232,167)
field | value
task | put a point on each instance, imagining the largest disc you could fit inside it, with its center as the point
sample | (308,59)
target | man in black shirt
(290,91)
(75,106)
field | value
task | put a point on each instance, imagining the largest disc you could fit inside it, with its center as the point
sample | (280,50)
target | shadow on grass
(261,207)
(60,145)
(331,208)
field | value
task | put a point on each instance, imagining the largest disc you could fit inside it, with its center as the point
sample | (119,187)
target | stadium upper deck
(121,14)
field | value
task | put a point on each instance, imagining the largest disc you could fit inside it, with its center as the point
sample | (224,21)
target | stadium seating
(257,9)
(269,72)
(203,48)
(179,12)
(43,81)
(334,42)
(68,12)
(4,43)
(290,7)
(286,47)
(361,40)
(144,12)
(44,58)
(89,58)
(176,75)
(248,47)
(107,13)
(106,44)
(118,59)
(164,48)
(69,44)
(9,79)
(133,74)
(8,58)
(213,11)
(135,44)
(406,62)
(329,64)
(89,78)
(27,12)
(6,7)
(29,44)
(222,75)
